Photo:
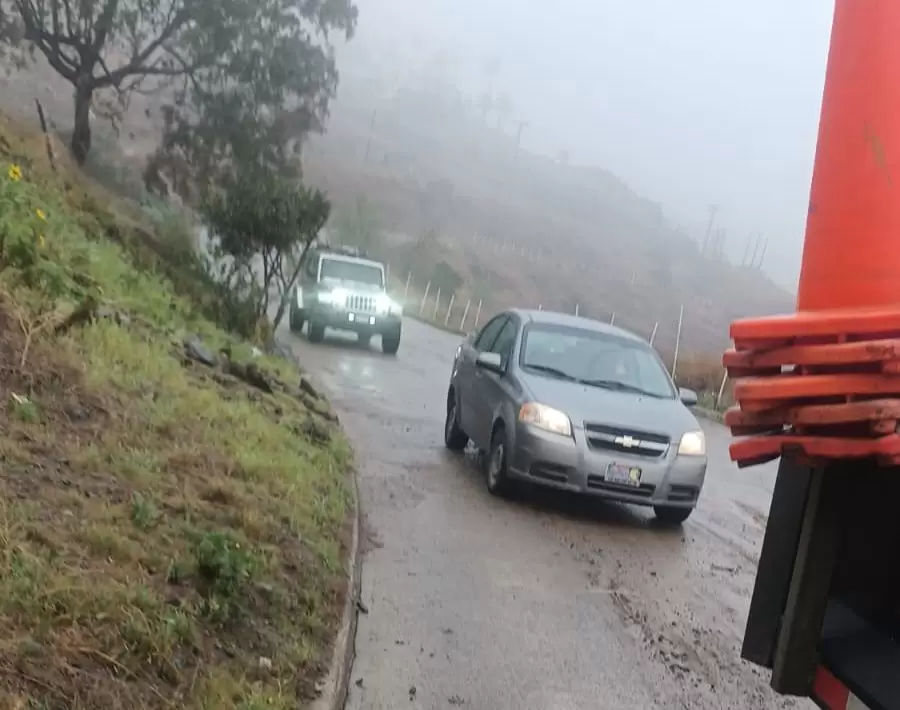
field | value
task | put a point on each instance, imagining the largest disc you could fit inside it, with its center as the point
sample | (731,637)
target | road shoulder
(335,685)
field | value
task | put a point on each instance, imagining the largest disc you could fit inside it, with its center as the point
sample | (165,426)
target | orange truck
(820,389)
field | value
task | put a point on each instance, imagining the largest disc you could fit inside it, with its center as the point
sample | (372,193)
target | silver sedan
(577,405)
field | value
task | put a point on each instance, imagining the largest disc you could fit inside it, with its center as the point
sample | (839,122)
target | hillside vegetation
(523,229)
(173,504)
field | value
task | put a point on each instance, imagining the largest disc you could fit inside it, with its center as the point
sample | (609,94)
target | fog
(690,102)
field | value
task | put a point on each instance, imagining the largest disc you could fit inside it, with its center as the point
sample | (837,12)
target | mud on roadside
(688,613)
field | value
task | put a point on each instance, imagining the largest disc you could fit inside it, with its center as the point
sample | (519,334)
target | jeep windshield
(352,272)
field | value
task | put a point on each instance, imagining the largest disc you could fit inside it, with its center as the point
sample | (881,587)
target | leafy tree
(445,277)
(231,60)
(263,225)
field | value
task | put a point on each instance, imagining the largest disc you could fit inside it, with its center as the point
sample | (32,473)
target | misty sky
(691,102)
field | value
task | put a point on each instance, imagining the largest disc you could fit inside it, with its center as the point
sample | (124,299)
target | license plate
(623,475)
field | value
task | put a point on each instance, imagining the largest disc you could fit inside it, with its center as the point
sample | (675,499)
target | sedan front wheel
(671,516)
(497,465)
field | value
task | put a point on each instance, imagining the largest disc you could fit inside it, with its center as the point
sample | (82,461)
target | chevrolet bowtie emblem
(627,441)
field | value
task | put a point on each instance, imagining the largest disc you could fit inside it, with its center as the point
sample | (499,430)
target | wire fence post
(477,315)
(437,302)
(462,322)
(721,390)
(424,298)
(653,334)
(612,319)
(576,309)
(406,288)
(677,342)
(449,308)
(540,306)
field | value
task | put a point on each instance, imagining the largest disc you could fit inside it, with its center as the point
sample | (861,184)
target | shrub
(258,223)
(701,373)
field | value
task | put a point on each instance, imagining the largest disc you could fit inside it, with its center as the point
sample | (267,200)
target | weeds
(159,530)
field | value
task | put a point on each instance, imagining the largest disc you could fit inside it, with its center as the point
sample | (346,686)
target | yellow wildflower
(41,215)
(14,173)
(41,241)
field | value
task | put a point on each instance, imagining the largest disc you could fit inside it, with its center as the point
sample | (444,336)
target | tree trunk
(81,135)
(287,284)
(283,304)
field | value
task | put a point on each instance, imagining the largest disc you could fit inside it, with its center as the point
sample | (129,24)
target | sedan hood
(625,409)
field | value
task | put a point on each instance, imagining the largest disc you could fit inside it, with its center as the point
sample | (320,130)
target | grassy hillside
(171,531)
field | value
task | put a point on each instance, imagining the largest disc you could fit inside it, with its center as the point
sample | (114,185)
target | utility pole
(747,250)
(719,245)
(762,255)
(756,244)
(520,126)
(713,211)
(369,137)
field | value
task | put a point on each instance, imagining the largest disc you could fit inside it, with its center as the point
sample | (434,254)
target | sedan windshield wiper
(552,371)
(616,385)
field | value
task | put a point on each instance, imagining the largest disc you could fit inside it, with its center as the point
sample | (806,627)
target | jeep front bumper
(340,318)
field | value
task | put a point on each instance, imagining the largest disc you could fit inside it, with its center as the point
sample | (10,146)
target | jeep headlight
(386,305)
(546,418)
(692,444)
(335,297)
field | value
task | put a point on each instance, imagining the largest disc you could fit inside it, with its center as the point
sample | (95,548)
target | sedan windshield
(595,359)
(352,271)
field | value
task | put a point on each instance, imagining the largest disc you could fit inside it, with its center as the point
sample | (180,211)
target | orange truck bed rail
(820,388)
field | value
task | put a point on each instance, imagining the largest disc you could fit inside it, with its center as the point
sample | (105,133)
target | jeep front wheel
(390,342)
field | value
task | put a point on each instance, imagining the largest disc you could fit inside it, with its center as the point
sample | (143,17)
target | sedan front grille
(626,441)
(361,304)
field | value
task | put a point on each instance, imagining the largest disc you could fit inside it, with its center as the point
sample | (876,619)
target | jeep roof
(337,256)
(323,248)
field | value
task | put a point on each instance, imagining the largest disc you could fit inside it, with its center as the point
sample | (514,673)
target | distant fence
(449,312)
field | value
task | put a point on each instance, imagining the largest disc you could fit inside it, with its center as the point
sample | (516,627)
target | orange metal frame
(824,383)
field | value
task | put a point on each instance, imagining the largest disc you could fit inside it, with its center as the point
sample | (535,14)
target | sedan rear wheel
(455,438)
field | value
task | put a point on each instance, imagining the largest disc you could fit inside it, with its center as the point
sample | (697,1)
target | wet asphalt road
(543,603)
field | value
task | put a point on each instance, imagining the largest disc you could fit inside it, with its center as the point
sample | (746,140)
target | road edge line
(337,680)
(709,414)
(335,684)
(436,326)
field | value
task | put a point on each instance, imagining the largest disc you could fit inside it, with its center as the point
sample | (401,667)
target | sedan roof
(556,318)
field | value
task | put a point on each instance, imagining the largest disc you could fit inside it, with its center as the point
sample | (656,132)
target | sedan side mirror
(688,397)
(490,361)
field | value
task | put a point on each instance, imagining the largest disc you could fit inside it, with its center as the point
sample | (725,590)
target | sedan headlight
(546,418)
(692,444)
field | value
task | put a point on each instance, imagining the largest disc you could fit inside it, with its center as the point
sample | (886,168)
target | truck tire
(316,332)
(390,342)
(671,516)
